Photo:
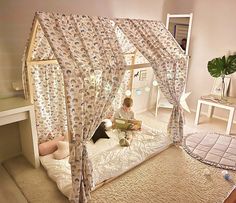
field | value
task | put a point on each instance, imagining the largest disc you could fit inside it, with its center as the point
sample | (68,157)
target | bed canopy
(76,69)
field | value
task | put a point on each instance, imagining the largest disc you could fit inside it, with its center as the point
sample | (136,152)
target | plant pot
(222,97)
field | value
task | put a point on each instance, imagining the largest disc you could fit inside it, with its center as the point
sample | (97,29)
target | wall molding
(213,116)
(145,109)
(192,111)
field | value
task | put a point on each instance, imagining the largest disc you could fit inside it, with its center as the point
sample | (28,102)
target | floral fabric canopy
(75,70)
(47,83)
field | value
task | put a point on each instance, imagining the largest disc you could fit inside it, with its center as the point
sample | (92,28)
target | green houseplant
(220,67)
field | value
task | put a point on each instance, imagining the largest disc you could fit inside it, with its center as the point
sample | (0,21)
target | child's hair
(128,102)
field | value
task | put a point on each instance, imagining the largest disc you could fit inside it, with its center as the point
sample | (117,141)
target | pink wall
(213,35)
(16,18)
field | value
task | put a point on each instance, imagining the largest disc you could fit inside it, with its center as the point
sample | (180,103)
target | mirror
(180,26)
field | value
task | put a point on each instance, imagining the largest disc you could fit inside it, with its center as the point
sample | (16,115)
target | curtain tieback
(77,144)
(180,109)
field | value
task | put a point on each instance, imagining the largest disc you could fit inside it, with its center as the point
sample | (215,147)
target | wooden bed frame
(30,63)
(113,178)
(148,158)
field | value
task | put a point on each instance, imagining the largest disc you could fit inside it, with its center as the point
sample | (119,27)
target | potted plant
(220,67)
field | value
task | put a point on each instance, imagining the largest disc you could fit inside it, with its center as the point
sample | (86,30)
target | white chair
(162,102)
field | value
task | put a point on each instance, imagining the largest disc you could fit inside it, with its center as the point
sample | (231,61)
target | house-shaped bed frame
(75,46)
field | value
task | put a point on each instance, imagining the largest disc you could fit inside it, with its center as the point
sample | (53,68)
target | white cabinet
(17,109)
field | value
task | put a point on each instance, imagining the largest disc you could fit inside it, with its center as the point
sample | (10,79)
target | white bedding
(108,158)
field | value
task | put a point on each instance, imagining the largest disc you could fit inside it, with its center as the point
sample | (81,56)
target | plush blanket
(108,158)
(212,148)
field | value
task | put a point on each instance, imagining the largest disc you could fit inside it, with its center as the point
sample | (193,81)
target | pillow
(108,124)
(100,133)
(49,146)
(62,150)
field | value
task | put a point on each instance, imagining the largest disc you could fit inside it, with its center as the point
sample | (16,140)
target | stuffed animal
(62,150)
(226,175)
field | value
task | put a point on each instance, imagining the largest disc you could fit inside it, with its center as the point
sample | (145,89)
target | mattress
(108,158)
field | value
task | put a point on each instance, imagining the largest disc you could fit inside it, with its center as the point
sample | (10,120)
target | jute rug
(212,148)
(170,177)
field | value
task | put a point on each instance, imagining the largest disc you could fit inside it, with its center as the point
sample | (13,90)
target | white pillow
(63,150)
(108,124)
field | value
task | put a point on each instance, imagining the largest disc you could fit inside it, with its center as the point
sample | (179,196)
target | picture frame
(217,86)
(143,75)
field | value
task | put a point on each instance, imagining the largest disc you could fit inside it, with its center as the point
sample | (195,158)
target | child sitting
(125,112)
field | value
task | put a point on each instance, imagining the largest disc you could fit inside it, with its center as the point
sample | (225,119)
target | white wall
(146,100)
(213,35)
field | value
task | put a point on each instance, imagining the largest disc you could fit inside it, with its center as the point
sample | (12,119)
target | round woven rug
(212,148)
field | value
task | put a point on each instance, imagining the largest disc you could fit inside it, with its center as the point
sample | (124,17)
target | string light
(147,89)
(154,83)
(138,92)
(128,93)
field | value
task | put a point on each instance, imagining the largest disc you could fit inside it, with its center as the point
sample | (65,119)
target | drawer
(13,118)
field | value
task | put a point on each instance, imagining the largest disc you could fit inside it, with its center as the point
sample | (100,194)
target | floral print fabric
(47,87)
(93,67)
(41,48)
(168,61)
(49,101)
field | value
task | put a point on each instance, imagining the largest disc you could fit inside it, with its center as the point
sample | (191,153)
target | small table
(214,101)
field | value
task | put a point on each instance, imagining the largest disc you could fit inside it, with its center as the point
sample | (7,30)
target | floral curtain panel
(169,63)
(49,101)
(92,67)
(41,48)
(128,48)
(86,48)
(50,109)
(121,93)
(48,90)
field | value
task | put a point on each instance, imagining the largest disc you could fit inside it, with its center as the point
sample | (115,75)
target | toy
(226,175)
(207,172)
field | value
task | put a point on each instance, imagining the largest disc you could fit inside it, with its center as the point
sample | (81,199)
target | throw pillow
(100,133)
(49,146)
(62,150)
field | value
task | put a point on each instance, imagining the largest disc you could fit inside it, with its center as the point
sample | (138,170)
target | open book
(125,124)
